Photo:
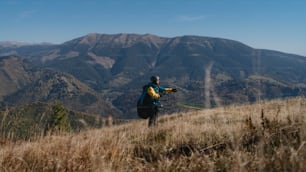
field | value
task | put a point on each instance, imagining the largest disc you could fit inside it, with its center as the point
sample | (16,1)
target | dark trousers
(153,117)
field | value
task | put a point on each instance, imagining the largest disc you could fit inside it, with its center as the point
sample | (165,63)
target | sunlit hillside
(266,136)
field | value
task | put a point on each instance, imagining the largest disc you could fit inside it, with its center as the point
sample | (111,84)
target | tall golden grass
(266,136)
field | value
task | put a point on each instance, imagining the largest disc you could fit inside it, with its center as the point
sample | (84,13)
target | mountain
(207,71)
(15,44)
(24,84)
(23,49)
(105,56)
(15,73)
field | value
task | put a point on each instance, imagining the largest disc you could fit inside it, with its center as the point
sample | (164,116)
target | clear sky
(269,24)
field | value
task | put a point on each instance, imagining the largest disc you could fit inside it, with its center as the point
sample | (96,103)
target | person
(155,91)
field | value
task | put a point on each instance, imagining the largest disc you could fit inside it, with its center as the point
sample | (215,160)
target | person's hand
(174,90)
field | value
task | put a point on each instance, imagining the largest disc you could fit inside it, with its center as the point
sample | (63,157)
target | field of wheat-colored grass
(265,136)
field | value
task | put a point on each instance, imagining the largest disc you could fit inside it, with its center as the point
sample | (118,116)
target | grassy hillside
(38,119)
(267,136)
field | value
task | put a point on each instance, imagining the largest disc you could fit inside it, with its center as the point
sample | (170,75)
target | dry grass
(267,136)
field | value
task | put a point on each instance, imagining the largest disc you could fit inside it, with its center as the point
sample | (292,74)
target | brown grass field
(265,136)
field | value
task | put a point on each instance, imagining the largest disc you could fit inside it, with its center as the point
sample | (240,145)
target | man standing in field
(150,99)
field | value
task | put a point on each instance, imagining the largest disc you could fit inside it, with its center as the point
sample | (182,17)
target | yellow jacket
(155,95)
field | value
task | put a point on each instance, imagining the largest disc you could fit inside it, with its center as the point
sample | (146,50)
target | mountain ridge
(48,86)
(211,71)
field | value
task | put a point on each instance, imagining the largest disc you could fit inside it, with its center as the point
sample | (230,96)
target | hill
(24,83)
(15,73)
(265,136)
(35,120)
(207,71)
(8,48)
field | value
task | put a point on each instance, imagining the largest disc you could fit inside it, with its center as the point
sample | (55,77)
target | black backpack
(144,104)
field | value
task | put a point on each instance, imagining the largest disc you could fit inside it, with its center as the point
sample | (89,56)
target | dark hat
(154,78)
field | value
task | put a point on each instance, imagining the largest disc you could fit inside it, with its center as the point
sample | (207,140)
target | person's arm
(162,90)
(152,93)
(167,90)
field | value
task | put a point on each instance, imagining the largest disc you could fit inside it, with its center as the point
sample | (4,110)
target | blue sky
(269,24)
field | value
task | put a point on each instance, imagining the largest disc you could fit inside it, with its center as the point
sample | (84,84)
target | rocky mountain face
(207,71)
